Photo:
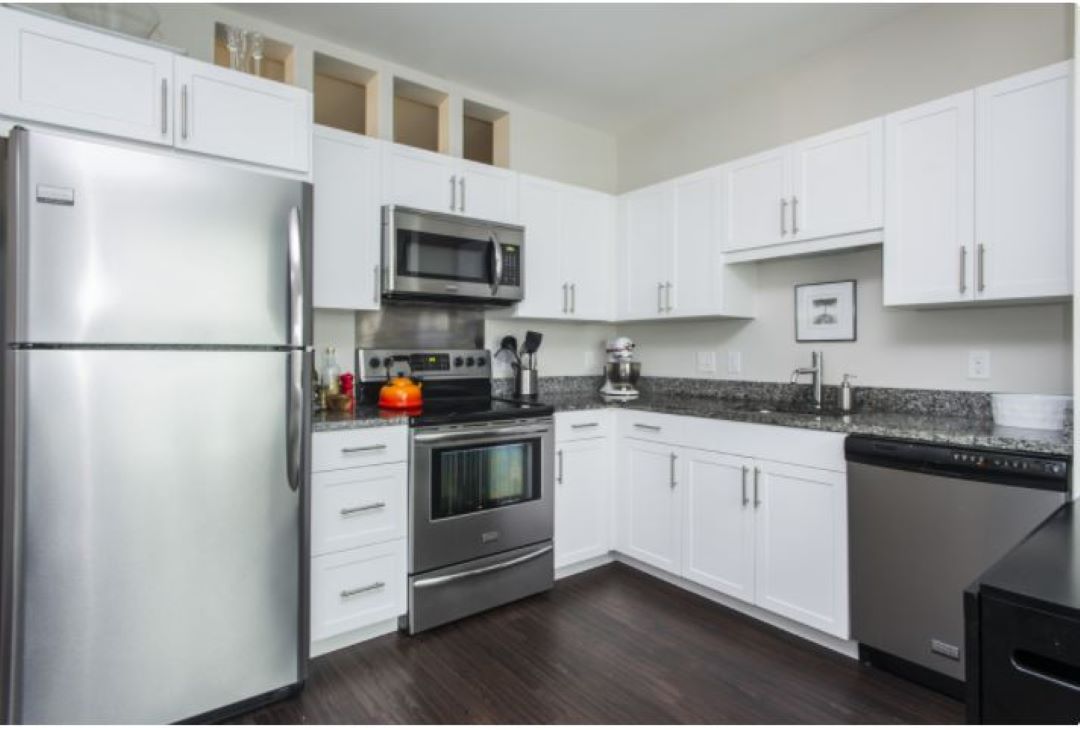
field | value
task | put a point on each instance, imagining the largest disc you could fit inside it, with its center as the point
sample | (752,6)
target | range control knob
(470,361)
(387,362)
(458,362)
(374,362)
(481,361)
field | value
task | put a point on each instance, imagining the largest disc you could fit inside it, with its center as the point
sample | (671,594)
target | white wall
(1029,345)
(569,348)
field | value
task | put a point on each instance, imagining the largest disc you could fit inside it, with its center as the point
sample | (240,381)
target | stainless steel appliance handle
(673,482)
(783,216)
(453,192)
(443,579)
(296,280)
(164,106)
(467,435)
(593,424)
(378,283)
(982,267)
(745,499)
(183,111)
(573,298)
(647,427)
(461,184)
(349,511)
(497,252)
(559,476)
(295,419)
(349,593)
(362,449)
(794,216)
(963,269)
(757,478)
(659,297)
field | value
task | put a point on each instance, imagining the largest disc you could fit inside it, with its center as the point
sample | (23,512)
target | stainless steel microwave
(435,256)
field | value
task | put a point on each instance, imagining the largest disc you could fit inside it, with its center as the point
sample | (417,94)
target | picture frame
(826,311)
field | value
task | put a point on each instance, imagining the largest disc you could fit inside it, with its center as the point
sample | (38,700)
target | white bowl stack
(1030,410)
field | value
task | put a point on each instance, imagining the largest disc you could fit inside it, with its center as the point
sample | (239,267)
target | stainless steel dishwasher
(925,521)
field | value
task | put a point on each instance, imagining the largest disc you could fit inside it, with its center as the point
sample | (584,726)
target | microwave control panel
(511,273)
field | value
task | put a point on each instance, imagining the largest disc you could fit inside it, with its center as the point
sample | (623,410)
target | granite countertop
(938,424)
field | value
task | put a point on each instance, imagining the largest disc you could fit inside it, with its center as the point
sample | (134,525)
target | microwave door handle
(496,249)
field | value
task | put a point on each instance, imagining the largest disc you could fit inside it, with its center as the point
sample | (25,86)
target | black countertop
(1044,569)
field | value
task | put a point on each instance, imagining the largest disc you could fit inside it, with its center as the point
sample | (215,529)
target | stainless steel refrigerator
(156,352)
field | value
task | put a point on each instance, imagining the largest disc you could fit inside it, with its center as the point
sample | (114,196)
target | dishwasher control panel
(1008,464)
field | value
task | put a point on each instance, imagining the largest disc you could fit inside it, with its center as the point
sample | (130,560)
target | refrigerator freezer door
(162,540)
(117,246)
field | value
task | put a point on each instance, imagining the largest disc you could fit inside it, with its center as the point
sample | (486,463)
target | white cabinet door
(646,233)
(239,116)
(697,257)
(801,536)
(718,523)
(357,588)
(1023,191)
(352,508)
(57,73)
(582,505)
(347,220)
(757,200)
(930,199)
(837,182)
(539,202)
(486,192)
(649,496)
(586,252)
(419,179)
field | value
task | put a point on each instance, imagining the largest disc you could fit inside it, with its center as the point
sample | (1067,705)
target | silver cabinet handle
(982,268)
(183,112)
(963,269)
(349,511)
(362,449)
(441,579)
(647,427)
(164,106)
(594,424)
(783,216)
(660,297)
(757,478)
(349,593)
(667,298)
(559,477)
(745,499)
(461,184)
(453,193)
(794,216)
(673,482)
(573,298)
(565,299)
(378,283)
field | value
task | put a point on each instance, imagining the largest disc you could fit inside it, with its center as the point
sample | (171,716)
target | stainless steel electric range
(480,486)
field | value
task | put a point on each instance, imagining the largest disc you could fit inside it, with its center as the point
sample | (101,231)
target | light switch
(734,362)
(706,362)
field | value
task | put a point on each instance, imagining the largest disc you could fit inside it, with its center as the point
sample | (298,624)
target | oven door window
(472,479)
(447,258)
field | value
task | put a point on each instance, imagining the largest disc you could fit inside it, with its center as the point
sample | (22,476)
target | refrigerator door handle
(296,281)
(295,419)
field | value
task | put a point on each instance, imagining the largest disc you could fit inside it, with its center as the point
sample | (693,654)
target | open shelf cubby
(421,116)
(279,58)
(346,95)
(486,134)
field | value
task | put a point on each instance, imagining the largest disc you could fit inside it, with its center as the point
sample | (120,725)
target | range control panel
(376,365)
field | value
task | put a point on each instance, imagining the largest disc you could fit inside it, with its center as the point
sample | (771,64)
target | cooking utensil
(530,346)
(509,344)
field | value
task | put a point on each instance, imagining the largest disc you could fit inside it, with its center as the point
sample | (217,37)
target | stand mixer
(622,371)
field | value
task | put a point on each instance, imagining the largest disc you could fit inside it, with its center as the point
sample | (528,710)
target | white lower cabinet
(358,533)
(582,488)
(650,503)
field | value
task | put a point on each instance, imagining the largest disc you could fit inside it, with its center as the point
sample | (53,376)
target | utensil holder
(527,382)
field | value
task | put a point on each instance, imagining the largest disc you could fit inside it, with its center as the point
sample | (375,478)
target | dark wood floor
(609,646)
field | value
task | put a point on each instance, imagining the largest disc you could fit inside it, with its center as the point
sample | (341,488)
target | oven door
(435,256)
(479,490)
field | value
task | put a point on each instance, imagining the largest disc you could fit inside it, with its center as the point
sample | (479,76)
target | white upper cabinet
(430,181)
(930,199)
(228,114)
(837,182)
(979,194)
(568,248)
(1023,189)
(58,73)
(757,204)
(646,236)
(347,226)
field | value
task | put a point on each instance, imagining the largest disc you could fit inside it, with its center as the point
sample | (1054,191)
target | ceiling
(609,66)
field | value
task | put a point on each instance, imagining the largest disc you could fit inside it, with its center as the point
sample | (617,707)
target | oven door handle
(449,436)
(443,579)
(497,252)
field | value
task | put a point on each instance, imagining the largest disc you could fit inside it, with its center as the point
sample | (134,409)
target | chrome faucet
(816,369)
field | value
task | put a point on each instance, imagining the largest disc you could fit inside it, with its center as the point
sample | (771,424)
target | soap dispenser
(847,401)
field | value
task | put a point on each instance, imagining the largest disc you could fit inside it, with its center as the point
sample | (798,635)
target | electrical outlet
(978,364)
(590,360)
(734,362)
(706,362)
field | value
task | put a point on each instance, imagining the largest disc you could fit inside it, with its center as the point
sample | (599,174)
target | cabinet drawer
(652,426)
(581,425)
(357,588)
(360,447)
(351,508)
